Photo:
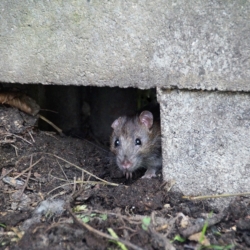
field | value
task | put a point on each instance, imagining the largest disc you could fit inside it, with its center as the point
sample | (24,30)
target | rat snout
(126,164)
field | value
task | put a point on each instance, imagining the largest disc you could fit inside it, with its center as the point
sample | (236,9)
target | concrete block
(192,44)
(206,146)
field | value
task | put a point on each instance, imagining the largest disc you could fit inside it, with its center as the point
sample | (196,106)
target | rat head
(130,140)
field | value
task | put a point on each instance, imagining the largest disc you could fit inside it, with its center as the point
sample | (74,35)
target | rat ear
(146,118)
(116,123)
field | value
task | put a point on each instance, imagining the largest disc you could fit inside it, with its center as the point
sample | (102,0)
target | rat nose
(126,164)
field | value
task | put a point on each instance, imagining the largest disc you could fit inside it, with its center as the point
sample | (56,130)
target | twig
(8,140)
(58,194)
(31,136)
(27,179)
(75,182)
(127,228)
(25,176)
(29,168)
(6,173)
(57,178)
(25,184)
(49,110)
(22,158)
(74,187)
(51,134)
(107,236)
(203,197)
(16,148)
(51,124)
(97,146)
(17,136)
(62,170)
(82,178)
(81,169)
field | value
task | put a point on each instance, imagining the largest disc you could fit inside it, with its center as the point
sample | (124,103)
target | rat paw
(149,174)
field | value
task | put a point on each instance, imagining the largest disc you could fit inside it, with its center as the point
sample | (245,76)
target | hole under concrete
(84,111)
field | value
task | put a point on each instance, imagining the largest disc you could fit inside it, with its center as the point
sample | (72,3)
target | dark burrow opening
(82,111)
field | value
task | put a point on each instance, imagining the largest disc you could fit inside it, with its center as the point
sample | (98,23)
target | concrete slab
(186,44)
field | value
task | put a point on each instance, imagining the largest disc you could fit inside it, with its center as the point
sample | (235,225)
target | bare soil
(66,193)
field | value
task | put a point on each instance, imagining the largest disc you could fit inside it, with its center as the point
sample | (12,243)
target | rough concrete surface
(188,44)
(206,146)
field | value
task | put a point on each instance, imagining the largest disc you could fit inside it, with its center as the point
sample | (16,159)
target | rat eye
(117,142)
(137,141)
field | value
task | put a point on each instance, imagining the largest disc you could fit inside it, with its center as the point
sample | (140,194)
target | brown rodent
(136,142)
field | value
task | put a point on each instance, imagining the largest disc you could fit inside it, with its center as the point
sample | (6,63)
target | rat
(136,142)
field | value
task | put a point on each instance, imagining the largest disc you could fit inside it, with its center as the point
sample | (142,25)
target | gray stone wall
(185,44)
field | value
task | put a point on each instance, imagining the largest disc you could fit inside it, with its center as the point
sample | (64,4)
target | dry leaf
(197,237)
(20,101)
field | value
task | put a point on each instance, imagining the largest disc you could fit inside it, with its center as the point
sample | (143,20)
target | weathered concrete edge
(183,44)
